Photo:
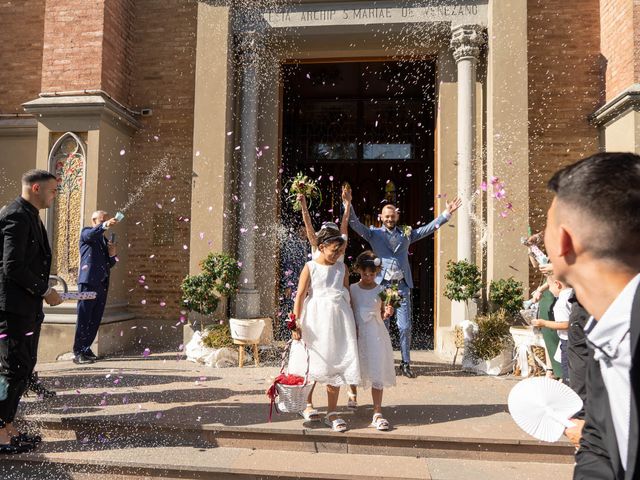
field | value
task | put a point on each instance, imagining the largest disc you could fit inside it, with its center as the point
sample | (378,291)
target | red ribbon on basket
(282,379)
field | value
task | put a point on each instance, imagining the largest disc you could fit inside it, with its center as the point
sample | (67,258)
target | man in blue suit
(97,257)
(391,244)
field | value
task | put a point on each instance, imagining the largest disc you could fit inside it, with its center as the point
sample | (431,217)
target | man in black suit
(25,264)
(97,258)
(593,241)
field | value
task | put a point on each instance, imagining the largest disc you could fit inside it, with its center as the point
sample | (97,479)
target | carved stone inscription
(368,13)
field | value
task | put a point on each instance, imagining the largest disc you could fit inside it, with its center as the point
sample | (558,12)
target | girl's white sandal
(379,423)
(310,415)
(337,425)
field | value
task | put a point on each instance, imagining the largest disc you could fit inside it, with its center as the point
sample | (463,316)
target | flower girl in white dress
(376,353)
(326,323)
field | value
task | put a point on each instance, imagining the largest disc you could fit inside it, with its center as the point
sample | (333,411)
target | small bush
(507,294)
(463,281)
(201,293)
(217,336)
(492,337)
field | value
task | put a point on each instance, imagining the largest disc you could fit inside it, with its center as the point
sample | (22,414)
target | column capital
(250,44)
(466,41)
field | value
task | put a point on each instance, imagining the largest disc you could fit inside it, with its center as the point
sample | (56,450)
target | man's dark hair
(606,188)
(36,176)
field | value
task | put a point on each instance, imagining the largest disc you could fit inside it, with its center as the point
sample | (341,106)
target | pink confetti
(84,267)
(483,186)
(159,415)
(28,334)
(143,302)
(201,235)
(3,335)
(331,178)
(494,180)
(146,352)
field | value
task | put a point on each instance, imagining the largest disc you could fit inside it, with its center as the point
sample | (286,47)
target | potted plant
(202,293)
(507,295)
(463,282)
(491,347)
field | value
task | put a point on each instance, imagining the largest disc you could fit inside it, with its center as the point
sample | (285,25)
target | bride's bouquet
(391,296)
(302,184)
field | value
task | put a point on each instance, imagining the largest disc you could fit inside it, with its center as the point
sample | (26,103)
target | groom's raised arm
(358,227)
(444,217)
(430,228)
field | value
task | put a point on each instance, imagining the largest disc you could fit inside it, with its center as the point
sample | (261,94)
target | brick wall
(21,37)
(617,44)
(117,49)
(566,85)
(164,58)
(73,33)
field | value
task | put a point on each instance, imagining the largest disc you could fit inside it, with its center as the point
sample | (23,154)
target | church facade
(191,116)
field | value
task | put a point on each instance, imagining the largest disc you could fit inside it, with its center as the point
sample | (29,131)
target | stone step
(93,461)
(319,439)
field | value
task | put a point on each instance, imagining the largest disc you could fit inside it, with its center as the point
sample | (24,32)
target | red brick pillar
(87,46)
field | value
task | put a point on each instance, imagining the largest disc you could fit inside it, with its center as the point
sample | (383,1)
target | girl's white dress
(328,327)
(374,344)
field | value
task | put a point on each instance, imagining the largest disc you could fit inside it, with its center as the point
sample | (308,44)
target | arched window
(67,162)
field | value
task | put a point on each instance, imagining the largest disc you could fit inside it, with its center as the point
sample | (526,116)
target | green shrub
(217,336)
(201,293)
(493,336)
(507,294)
(463,281)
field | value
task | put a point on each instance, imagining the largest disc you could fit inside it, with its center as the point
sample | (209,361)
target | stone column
(248,299)
(465,43)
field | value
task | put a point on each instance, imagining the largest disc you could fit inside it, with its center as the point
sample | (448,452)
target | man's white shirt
(611,335)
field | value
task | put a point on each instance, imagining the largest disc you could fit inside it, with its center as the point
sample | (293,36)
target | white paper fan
(78,295)
(542,407)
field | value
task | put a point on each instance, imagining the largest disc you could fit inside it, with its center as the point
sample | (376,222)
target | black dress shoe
(26,438)
(36,386)
(15,447)
(82,359)
(89,354)
(405,369)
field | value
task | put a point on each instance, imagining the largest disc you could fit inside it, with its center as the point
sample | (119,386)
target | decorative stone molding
(466,41)
(80,105)
(625,101)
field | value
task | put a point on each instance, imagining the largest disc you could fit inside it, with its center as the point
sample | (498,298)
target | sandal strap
(329,414)
(352,395)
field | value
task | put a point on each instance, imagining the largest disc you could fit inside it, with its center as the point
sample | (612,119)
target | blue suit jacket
(378,238)
(95,263)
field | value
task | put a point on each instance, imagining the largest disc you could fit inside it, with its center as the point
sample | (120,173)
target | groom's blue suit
(392,246)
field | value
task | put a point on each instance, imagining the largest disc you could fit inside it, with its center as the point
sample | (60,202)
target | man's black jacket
(25,259)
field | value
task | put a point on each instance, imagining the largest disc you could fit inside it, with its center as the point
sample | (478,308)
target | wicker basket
(293,398)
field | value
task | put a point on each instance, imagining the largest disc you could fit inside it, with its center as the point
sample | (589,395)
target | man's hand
(112,248)
(388,311)
(110,223)
(53,298)
(574,434)
(346,195)
(535,239)
(454,205)
(547,269)
(537,322)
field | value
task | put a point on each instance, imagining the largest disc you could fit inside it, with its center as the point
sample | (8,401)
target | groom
(391,244)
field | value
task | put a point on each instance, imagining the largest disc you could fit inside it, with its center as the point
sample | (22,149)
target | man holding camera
(97,257)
